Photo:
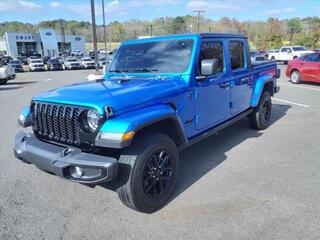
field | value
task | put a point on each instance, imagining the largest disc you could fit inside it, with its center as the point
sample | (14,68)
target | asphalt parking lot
(239,184)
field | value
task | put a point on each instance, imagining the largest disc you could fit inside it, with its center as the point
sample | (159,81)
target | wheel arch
(169,125)
(160,117)
(263,83)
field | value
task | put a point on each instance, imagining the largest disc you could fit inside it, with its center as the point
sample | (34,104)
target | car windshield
(170,56)
(72,60)
(54,61)
(14,62)
(299,49)
(36,61)
(87,59)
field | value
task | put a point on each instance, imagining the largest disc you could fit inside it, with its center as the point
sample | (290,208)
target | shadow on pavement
(2,88)
(18,82)
(199,159)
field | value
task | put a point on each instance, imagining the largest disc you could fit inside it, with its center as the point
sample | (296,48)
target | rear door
(284,54)
(212,95)
(310,67)
(239,75)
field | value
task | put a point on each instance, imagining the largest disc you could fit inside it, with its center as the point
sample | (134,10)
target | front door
(239,76)
(212,95)
(310,67)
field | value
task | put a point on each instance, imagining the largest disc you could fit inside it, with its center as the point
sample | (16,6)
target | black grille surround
(62,123)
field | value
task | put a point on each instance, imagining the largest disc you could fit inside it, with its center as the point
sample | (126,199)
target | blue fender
(259,85)
(133,121)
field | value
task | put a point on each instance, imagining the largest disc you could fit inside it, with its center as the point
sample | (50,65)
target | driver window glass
(311,58)
(211,50)
(284,49)
(236,50)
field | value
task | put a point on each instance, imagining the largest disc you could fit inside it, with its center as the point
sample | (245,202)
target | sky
(34,11)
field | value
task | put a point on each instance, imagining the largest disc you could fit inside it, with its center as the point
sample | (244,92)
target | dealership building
(45,42)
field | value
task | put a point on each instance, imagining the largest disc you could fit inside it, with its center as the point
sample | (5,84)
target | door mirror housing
(209,67)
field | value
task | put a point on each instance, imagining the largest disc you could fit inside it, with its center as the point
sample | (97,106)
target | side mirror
(209,67)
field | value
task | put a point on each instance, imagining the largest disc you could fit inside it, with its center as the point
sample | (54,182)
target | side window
(211,50)
(236,50)
(284,49)
(311,58)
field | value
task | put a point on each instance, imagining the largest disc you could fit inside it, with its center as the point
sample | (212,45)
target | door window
(284,49)
(236,50)
(311,58)
(211,50)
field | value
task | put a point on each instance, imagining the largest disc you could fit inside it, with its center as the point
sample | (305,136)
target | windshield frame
(189,67)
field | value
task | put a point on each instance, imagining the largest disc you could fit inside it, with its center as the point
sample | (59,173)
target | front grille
(59,123)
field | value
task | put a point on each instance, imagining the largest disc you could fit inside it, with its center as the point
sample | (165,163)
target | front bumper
(60,160)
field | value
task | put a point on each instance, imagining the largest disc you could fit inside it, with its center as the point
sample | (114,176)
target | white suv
(36,65)
(288,53)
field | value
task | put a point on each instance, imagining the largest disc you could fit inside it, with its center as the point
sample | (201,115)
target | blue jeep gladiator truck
(159,96)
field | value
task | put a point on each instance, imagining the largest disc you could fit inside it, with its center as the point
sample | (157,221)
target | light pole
(104,31)
(199,12)
(94,35)
(151,26)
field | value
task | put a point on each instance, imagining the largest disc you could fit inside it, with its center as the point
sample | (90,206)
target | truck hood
(117,93)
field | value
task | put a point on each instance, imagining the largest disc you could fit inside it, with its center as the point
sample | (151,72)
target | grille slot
(55,122)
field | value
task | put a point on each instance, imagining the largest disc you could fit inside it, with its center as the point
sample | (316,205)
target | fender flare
(139,119)
(258,88)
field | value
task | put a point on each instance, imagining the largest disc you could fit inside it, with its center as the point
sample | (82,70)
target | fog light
(76,172)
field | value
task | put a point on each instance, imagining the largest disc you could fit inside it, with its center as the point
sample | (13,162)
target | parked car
(71,63)
(101,62)
(6,73)
(16,65)
(36,65)
(54,64)
(263,53)
(23,60)
(256,56)
(306,68)
(272,53)
(46,59)
(5,59)
(87,63)
(77,54)
(288,53)
(129,127)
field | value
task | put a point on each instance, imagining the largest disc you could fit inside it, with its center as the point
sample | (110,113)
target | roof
(222,35)
(188,35)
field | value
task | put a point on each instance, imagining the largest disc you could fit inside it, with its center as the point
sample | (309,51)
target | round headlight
(93,119)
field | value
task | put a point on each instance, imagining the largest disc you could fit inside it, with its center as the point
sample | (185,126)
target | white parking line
(299,86)
(293,103)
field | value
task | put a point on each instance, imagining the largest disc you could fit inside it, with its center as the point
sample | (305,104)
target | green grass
(89,46)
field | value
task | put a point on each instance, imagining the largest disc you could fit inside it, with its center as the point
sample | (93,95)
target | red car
(305,68)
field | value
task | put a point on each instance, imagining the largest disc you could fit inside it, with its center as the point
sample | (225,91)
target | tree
(178,25)
(294,26)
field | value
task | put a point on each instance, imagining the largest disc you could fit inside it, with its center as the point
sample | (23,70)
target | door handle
(244,79)
(224,85)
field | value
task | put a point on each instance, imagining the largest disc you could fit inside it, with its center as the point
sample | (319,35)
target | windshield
(71,60)
(87,59)
(14,62)
(171,56)
(54,61)
(36,61)
(299,49)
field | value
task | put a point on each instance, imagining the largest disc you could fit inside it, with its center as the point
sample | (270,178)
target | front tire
(260,117)
(148,172)
(295,77)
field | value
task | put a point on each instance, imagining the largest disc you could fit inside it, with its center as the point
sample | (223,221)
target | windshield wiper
(121,71)
(153,71)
